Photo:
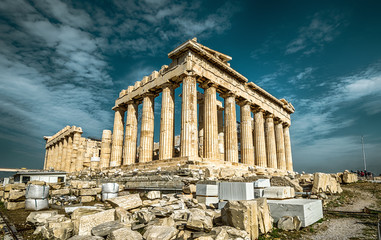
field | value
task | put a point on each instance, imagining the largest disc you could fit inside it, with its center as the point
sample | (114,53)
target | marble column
(105,149)
(287,147)
(68,153)
(188,138)
(210,123)
(131,134)
(74,151)
(167,122)
(50,157)
(46,162)
(259,139)
(55,156)
(280,145)
(64,155)
(117,138)
(247,146)
(201,126)
(147,128)
(221,139)
(270,141)
(231,137)
(80,154)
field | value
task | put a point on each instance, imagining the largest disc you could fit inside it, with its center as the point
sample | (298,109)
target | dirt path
(361,200)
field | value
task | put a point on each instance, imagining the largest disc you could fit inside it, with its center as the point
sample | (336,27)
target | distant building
(48,177)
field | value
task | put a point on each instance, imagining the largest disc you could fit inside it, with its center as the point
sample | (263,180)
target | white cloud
(323,28)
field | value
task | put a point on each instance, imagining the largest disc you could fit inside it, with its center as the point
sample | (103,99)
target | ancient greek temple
(209,129)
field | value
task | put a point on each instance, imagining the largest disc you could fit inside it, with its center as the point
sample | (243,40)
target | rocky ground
(344,216)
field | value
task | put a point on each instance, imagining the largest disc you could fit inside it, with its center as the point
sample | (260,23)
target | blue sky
(65,62)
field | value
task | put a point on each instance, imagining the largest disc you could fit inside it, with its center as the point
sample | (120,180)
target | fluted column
(287,146)
(131,134)
(221,144)
(50,157)
(259,139)
(74,151)
(231,138)
(46,158)
(201,126)
(270,141)
(117,138)
(68,153)
(80,154)
(64,155)
(210,142)
(247,146)
(147,129)
(167,123)
(106,149)
(188,138)
(280,145)
(55,156)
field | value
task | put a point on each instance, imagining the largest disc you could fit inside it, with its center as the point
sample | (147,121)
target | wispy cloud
(323,28)
(318,117)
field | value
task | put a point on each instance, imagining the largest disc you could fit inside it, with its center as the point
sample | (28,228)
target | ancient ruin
(209,133)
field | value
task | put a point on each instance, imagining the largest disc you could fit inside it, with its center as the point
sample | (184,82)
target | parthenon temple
(210,132)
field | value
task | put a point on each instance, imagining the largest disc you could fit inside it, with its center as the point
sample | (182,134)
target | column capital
(207,84)
(244,102)
(149,94)
(227,94)
(277,120)
(268,115)
(286,124)
(258,109)
(170,85)
(119,108)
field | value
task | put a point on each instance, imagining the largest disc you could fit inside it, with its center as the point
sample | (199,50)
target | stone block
(262,183)
(279,192)
(349,177)
(265,221)
(160,233)
(106,228)
(14,205)
(189,189)
(16,195)
(64,191)
(19,186)
(236,191)
(206,190)
(242,215)
(37,182)
(199,220)
(124,234)
(325,183)
(86,199)
(90,191)
(40,218)
(207,200)
(127,202)
(309,211)
(153,195)
(70,210)
(84,224)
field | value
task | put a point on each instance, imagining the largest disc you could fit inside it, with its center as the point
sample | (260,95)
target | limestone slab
(207,200)
(206,190)
(85,223)
(279,192)
(262,183)
(127,202)
(309,211)
(236,191)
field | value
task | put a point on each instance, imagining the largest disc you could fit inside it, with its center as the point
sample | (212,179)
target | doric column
(51,156)
(131,134)
(74,151)
(68,153)
(147,128)
(55,156)
(210,142)
(270,141)
(247,146)
(231,138)
(280,145)
(287,146)
(60,151)
(167,122)
(259,139)
(117,138)
(201,125)
(64,155)
(46,162)
(188,138)
(221,139)
(106,149)
(80,154)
